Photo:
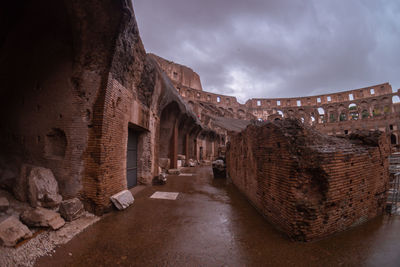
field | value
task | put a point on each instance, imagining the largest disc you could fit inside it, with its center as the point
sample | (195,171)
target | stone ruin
(310,185)
(77,84)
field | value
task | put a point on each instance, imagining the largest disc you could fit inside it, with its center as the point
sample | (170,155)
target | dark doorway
(393,139)
(131,159)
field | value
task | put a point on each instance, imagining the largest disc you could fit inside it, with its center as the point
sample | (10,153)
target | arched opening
(168,137)
(365,114)
(395,99)
(321,113)
(280,112)
(353,112)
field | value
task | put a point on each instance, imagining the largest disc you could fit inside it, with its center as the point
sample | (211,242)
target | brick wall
(307,184)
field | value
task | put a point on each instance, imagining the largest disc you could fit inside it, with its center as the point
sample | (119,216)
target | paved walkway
(212,224)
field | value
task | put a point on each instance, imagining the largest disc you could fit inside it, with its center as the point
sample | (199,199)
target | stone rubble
(71,209)
(12,231)
(41,217)
(43,188)
(44,243)
(122,200)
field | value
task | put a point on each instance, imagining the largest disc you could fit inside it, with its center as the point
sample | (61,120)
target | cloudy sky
(277,48)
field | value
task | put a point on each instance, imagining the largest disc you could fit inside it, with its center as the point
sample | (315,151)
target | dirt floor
(212,224)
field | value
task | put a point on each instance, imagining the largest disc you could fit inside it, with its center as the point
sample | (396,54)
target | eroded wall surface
(310,185)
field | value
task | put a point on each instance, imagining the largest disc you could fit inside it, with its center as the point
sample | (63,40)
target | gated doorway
(131,159)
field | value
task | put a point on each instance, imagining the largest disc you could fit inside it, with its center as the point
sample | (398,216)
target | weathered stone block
(71,209)
(181,157)
(4,204)
(41,217)
(174,171)
(122,200)
(12,231)
(43,188)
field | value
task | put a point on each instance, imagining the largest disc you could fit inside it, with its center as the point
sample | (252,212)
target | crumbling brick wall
(307,184)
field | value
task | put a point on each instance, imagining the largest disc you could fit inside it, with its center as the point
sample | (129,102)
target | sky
(277,48)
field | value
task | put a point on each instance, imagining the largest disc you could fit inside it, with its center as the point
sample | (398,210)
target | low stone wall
(307,184)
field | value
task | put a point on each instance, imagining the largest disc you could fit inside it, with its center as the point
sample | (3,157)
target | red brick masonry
(310,185)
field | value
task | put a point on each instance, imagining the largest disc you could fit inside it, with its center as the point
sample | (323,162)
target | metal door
(131,159)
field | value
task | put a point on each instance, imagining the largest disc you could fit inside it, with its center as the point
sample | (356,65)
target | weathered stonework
(310,185)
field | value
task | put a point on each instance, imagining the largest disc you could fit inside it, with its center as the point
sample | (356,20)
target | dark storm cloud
(259,48)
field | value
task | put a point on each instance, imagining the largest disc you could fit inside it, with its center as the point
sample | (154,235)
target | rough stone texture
(122,200)
(179,74)
(41,217)
(71,209)
(20,188)
(12,231)
(43,188)
(174,171)
(4,204)
(308,184)
(7,179)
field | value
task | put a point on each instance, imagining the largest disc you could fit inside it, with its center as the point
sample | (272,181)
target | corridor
(212,224)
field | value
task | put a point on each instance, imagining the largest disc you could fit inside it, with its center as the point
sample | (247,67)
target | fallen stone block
(43,188)
(174,171)
(4,204)
(181,157)
(41,217)
(122,200)
(12,231)
(71,209)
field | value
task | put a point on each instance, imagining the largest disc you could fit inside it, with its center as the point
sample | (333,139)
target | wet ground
(212,224)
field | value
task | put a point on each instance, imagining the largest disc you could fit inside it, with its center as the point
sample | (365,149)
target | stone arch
(353,112)
(322,115)
(395,99)
(168,134)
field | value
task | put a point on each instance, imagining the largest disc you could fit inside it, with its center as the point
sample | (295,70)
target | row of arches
(333,113)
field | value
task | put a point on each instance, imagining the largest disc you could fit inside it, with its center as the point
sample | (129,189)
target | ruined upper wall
(345,96)
(310,185)
(179,74)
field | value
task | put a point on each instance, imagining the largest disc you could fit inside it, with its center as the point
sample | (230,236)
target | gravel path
(44,243)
